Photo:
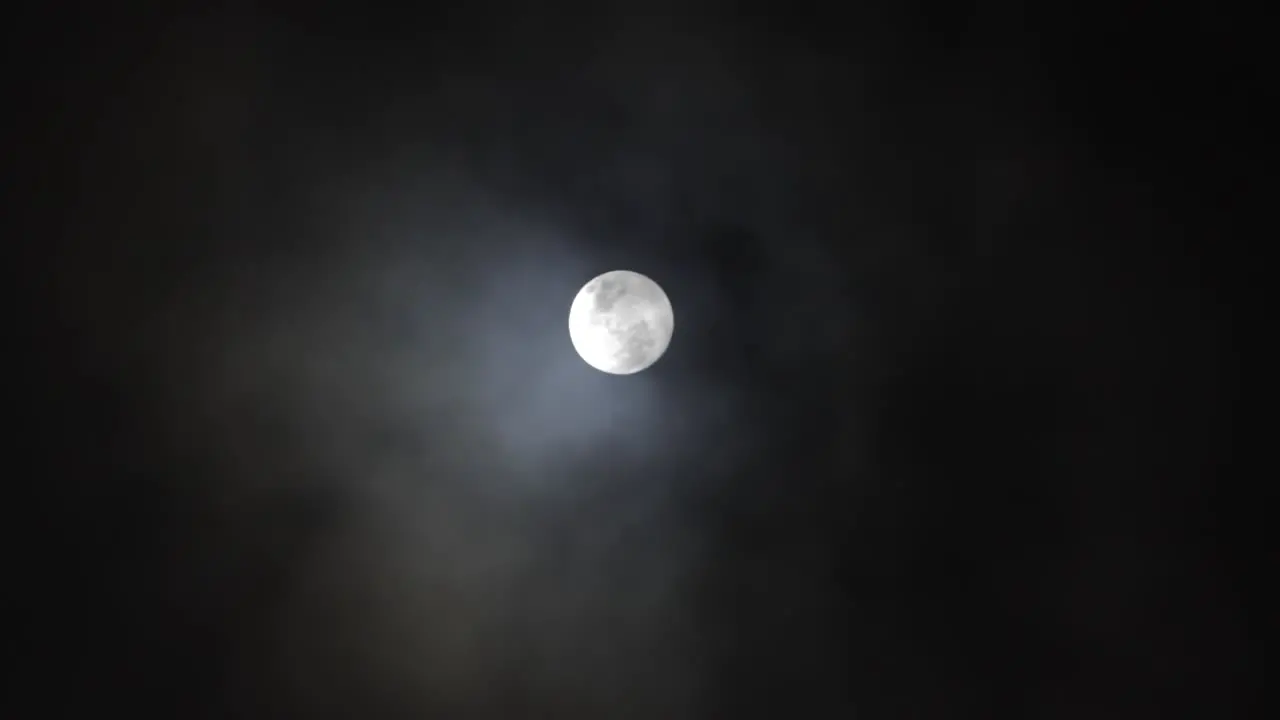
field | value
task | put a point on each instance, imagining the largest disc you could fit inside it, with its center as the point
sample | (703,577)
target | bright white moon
(621,322)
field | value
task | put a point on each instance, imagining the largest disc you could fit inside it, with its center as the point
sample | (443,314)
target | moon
(621,322)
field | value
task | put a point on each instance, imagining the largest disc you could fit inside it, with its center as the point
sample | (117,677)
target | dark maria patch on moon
(608,293)
(637,345)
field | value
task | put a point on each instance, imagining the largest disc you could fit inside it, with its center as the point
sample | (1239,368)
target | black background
(944,429)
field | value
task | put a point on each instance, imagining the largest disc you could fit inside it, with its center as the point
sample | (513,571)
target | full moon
(621,322)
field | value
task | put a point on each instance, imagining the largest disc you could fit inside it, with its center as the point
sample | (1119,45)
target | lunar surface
(621,322)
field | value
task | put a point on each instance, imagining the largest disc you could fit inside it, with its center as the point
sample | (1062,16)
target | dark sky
(944,430)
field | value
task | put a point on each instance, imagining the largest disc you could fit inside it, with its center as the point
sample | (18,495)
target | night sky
(944,430)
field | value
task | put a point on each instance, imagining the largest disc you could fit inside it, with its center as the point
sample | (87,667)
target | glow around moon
(621,322)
